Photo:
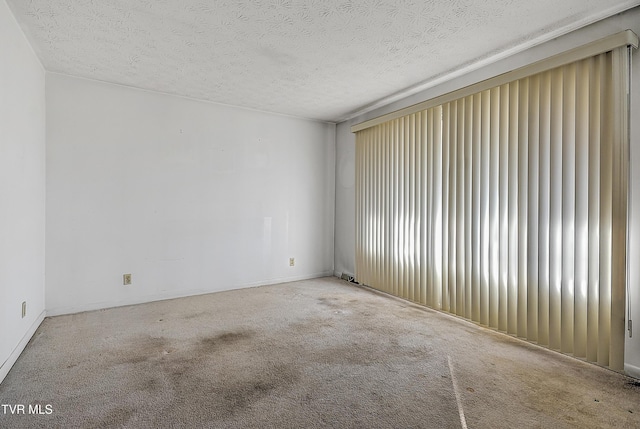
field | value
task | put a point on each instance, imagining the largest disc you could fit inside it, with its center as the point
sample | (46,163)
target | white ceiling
(320,59)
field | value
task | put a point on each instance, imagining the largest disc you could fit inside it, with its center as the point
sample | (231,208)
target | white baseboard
(59,311)
(15,354)
(632,370)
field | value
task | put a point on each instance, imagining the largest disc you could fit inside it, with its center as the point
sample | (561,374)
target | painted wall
(189,197)
(345,154)
(345,240)
(22,190)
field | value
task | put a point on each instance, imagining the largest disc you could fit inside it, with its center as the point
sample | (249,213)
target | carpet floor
(311,354)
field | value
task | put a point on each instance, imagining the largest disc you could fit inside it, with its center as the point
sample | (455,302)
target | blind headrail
(626,37)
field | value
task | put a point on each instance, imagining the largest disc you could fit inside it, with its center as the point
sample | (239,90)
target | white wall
(22,190)
(345,154)
(345,241)
(189,197)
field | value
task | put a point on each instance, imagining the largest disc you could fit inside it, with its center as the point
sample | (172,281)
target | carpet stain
(238,397)
(223,391)
(115,417)
(215,342)
(135,351)
(140,349)
(178,370)
(210,363)
(239,393)
(312,326)
(151,385)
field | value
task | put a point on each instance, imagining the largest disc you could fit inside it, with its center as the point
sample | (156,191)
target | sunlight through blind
(508,207)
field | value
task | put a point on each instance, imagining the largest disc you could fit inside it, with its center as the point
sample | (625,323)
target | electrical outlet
(24,309)
(126,279)
(292,262)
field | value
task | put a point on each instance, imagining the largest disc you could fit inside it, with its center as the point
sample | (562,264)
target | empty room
(319,214)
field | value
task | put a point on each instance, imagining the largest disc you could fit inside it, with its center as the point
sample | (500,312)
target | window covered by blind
(508,207)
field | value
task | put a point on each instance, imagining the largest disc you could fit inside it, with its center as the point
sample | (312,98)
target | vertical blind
(508,207)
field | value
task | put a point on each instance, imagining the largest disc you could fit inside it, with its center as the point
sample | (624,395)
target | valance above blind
(623,38)
(507,204)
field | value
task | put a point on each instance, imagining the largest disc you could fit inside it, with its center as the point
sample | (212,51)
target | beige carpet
(310,354)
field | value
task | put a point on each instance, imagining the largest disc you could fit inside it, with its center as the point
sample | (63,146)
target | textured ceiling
(320,59)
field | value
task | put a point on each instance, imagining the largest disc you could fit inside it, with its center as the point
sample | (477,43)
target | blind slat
(568,207)
(582,210)
(596,65)
(503,198)
(544,258)
(555,212)
(513,219)
(534,209)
